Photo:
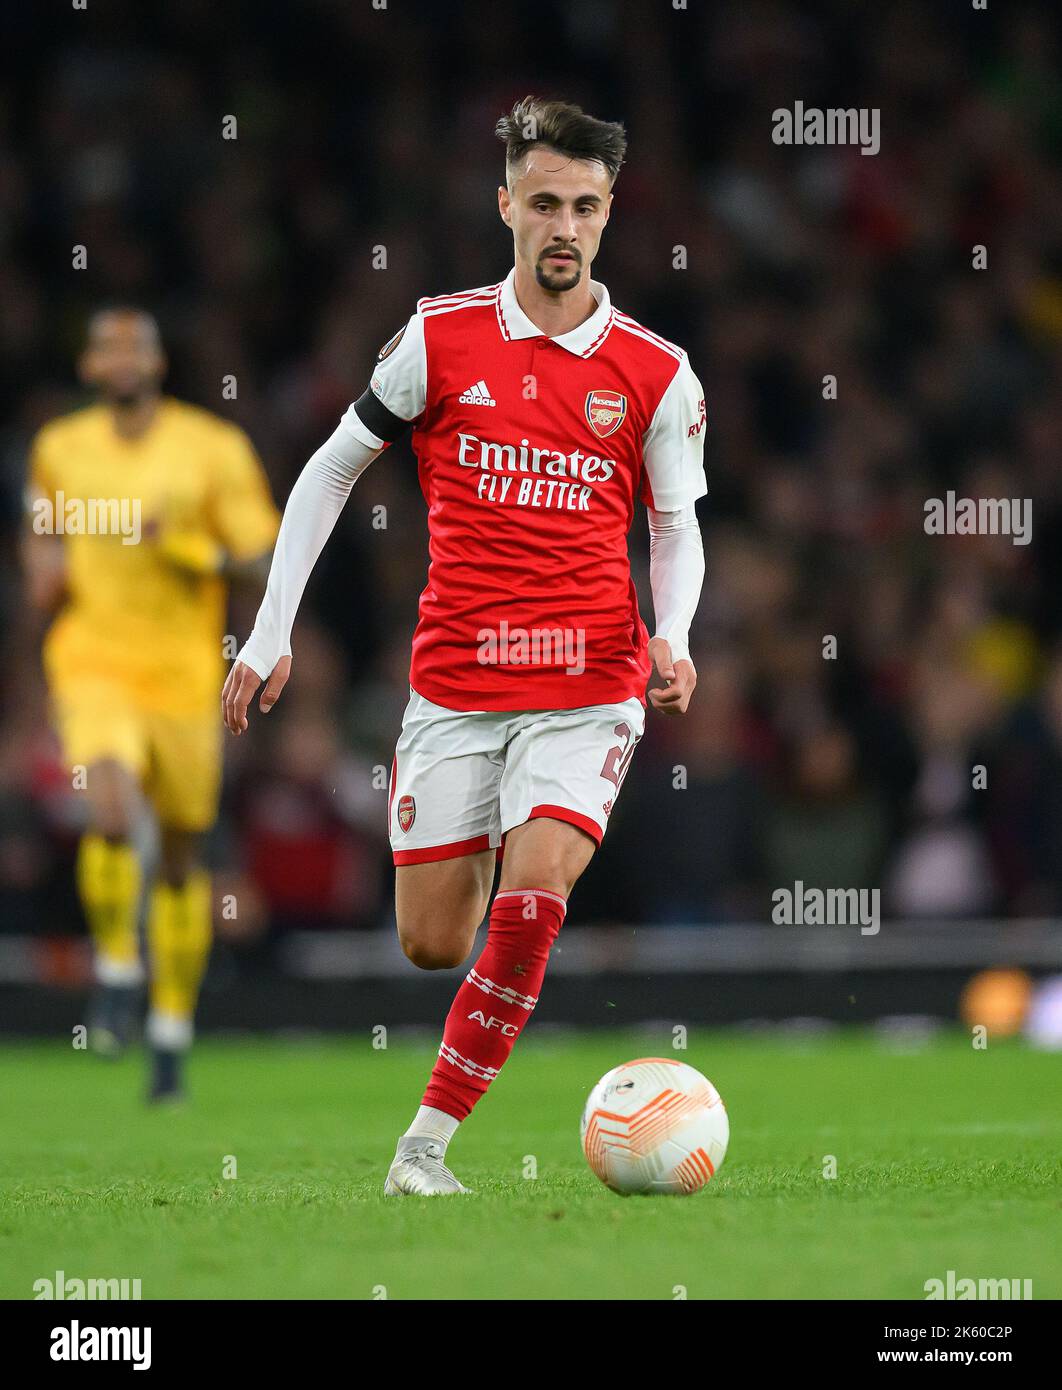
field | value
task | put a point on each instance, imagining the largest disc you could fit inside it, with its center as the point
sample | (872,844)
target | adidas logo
(479,394)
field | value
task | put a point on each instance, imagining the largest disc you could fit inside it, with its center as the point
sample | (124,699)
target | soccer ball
(655,1125)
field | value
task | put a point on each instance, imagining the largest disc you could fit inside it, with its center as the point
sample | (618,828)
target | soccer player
(540,414)
(143,509)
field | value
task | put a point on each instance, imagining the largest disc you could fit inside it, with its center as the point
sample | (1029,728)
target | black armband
(375,416)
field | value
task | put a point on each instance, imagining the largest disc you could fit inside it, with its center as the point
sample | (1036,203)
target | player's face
(557,210)
(123,358)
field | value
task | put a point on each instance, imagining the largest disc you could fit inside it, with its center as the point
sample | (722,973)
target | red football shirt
(531,452)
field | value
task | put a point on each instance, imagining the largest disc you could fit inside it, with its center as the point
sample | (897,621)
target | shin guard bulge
(496,998)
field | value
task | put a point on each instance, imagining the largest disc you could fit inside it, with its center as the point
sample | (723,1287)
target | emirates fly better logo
(564,482)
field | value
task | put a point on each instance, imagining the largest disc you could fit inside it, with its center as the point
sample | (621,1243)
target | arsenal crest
(605,412)
(407,811)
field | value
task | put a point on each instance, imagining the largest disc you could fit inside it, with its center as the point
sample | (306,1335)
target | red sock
(496,998)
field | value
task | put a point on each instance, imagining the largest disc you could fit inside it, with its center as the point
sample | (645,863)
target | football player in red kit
(540,414)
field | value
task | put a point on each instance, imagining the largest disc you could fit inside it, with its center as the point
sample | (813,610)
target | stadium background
(360,128)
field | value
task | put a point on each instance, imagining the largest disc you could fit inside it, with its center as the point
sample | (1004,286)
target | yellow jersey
(123,507)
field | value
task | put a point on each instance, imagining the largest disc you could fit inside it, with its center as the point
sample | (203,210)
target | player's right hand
(238,692)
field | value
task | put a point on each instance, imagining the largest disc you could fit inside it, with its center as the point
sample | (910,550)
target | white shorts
(461,780)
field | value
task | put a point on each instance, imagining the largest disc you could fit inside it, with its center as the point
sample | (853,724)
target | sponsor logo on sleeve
(390,345)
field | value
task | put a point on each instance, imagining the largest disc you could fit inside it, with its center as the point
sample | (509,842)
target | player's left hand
(239,688)
(680,675)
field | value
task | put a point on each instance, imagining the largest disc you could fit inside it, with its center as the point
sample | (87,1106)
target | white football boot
(418,1170)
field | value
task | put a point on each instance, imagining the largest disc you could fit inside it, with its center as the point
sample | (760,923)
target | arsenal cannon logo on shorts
(605,412)
(407,810)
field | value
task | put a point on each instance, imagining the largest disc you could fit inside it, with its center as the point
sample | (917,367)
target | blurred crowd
(923,754)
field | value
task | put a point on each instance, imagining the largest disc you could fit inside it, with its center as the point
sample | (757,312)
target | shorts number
(617,759)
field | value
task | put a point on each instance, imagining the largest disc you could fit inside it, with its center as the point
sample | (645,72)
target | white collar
(581,341)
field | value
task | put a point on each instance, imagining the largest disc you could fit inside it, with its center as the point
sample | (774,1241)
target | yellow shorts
(177,758)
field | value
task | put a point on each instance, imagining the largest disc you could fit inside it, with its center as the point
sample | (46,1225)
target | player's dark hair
(563,127)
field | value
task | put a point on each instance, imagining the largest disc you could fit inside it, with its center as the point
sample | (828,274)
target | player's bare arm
(44,566)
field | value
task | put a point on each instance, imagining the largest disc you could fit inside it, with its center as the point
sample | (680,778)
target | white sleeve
(313,508)
(673,445)
(398,390)
(676,573)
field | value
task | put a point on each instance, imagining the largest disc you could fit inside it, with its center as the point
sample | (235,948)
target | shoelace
(431,1151)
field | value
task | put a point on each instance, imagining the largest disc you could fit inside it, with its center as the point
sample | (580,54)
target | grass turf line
(947,1158)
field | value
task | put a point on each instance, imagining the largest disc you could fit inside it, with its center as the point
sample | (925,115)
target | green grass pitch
(947,1158)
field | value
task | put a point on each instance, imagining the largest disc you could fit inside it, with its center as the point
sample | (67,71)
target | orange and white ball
(655,1126)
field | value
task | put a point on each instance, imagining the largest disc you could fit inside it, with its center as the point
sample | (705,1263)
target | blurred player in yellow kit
(143,509)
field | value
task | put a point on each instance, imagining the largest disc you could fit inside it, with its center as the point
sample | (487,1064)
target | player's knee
(179,859)
(439,939)
(430,956)
(174,875)
(429,952)
(112,800)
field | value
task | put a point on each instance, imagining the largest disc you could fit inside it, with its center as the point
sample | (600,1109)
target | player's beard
(558,280)
(127,394)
